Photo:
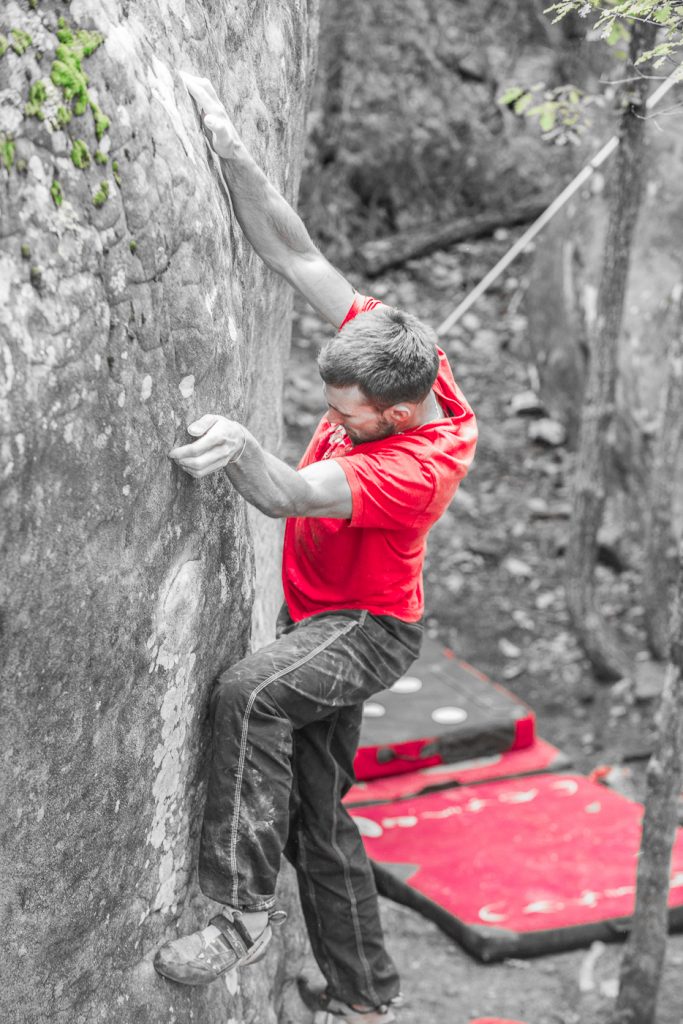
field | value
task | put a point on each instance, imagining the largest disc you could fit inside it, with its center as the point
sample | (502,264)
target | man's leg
(336,883)
(318,666)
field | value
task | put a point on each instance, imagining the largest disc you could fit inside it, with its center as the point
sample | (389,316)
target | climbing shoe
(334,1011)
(203,956)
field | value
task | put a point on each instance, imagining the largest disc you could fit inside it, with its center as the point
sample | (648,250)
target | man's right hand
(273,228)
(220,130)
(221,441)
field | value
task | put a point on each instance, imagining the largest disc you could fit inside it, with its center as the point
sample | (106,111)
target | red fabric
(539,853)
(400,485)
(540,757)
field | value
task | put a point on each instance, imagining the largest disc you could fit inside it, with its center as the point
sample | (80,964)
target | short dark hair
(390,355)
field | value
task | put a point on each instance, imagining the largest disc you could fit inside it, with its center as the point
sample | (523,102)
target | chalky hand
(220,130)
(221,441)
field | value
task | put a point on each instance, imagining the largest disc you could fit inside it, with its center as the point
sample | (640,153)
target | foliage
(4,45)
(613,15)
(100,157)
(56,193)
(560,112)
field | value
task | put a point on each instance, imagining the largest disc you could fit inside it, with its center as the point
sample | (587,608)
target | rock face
(130,305)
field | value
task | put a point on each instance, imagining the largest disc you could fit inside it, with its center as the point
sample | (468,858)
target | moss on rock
(7,152)
(80,155)
(20,41)
(37,95)
(62,117)
(67,72)
(102,194)
(56,193)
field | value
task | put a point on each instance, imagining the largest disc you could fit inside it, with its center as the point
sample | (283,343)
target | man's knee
(229,690)
(236,690)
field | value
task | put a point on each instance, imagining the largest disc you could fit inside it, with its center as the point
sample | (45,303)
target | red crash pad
(541,757)
(515,868)
(442,712)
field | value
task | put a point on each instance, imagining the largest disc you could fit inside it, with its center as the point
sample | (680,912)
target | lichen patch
(172,653)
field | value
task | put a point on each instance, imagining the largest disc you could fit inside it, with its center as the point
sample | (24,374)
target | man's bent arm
(266,482)
(270,224)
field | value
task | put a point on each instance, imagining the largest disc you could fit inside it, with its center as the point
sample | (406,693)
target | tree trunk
(590,488)
(659,568)
(338,22)
(396,249)
(643,960)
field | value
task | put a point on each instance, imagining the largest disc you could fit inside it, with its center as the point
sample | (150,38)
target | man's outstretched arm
(266,482)
(270,224)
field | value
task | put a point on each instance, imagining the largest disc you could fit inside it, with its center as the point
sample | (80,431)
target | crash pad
(443,711)
(541,757)
(515,868)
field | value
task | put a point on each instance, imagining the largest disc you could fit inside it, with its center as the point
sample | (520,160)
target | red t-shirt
(400,486)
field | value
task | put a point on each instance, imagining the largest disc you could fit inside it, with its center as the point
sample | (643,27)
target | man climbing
(381,468)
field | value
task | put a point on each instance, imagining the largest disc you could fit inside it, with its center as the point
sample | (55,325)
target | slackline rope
(548,214)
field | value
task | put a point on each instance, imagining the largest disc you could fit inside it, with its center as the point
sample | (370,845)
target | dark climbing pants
(286,722)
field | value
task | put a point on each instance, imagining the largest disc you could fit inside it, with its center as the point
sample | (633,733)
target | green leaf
(663,14)
(548,117)
(510,95)
(522,103)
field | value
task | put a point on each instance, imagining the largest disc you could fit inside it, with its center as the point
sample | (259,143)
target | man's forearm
(272,227)
(270,224)
(280,238)
(266,482)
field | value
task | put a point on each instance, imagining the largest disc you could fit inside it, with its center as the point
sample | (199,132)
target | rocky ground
(494,585)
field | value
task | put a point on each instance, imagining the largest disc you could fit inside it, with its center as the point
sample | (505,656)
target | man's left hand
(220,442)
